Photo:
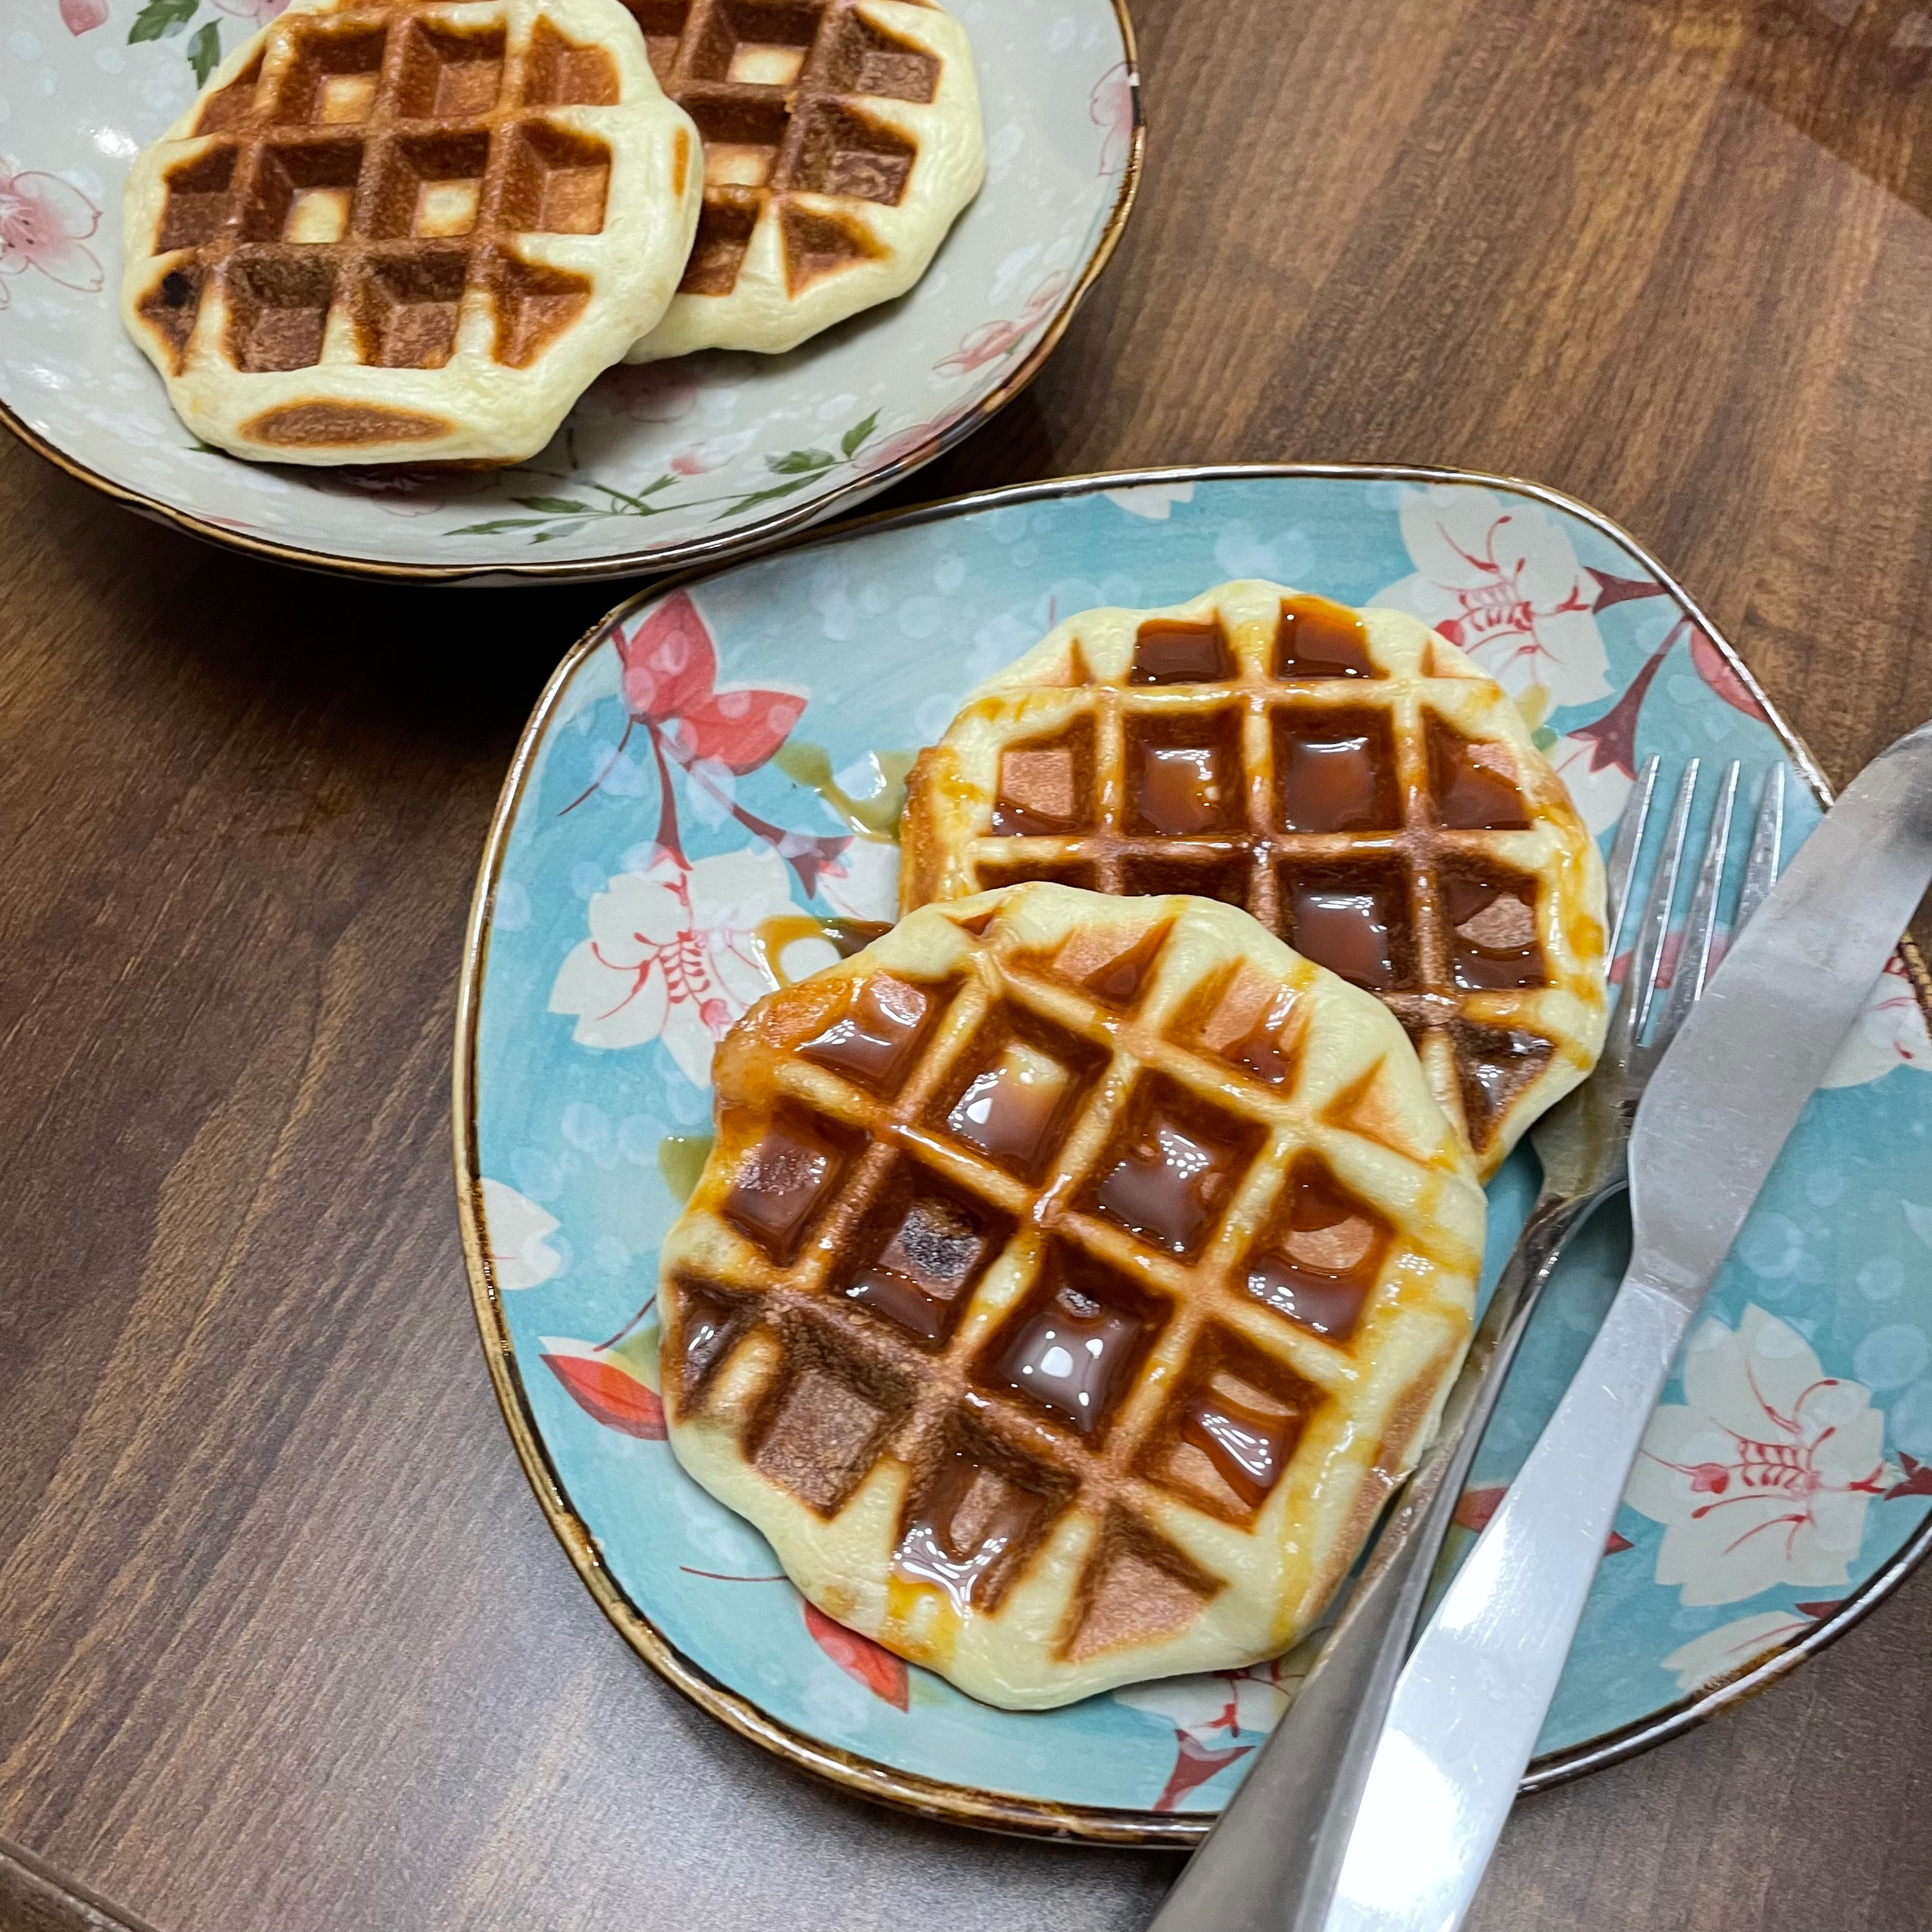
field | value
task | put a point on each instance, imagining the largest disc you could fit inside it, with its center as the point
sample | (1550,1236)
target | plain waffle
(389,230)
(841,138)
(1070,1282)
(1354,782)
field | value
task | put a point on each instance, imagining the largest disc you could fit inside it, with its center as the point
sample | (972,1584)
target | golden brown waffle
(1354,781)
(397,230)
(1071,1280)
(841,138)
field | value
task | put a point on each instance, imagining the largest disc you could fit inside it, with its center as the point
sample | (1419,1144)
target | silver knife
(1723,1099)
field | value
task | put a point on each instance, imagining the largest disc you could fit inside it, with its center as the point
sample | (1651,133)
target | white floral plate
(659,466)
(711,774)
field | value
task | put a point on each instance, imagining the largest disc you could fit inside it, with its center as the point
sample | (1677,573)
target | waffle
(1071,1280)
(394,231)
(1355,782)
(841,138)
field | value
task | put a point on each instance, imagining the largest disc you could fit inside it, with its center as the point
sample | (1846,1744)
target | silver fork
(1271,1863)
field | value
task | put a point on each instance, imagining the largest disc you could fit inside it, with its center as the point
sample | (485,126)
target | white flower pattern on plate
(1763,1475)
(673,954)
(1501,579)
(1890,1032)
(1729,1648)
(516,1231)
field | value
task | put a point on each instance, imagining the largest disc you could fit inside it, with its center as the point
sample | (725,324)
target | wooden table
(285,1643)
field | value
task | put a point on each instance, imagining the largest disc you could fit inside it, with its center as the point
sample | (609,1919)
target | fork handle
(1272,1861)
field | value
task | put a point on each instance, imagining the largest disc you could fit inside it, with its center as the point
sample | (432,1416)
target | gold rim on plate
(697,552)
(908,1791)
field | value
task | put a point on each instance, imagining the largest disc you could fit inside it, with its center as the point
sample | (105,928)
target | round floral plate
(712,779)
(660,465)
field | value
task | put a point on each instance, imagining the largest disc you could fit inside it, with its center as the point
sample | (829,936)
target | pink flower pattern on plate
(1763,1475)
(1110,106)
(991,341)
(44,224)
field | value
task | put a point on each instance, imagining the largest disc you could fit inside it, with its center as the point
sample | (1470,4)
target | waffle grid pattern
(1186,1354)
(356,190)
(1409,866)
(779,90)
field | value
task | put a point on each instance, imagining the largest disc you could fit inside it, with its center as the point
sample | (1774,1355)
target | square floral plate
(714,771)
(659,466)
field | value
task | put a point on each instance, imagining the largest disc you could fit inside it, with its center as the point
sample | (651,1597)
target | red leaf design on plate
(1613,737)
(1195,1763)
(1477,1505)
(1612,590)
(83,15)
(1817,1610)
(876,1667)
(739,728)
(1717,671)
(668,660)
(610,1394)
(1918,1478)
(1615,1541)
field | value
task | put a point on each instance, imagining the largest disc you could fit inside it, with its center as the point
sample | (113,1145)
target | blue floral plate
(710,784)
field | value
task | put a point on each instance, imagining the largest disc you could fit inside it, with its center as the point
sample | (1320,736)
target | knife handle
(1473,1696)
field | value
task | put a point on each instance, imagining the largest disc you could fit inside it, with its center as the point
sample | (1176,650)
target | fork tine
(1625,847)
(1761,865)
(1693,968)
(1633,1009)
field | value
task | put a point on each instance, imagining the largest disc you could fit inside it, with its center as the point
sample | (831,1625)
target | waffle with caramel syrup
(1071,1280)
(1349,778)
(409,230)
(841,139)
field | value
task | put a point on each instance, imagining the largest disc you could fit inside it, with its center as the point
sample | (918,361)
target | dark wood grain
(34,1899)
(284,1644)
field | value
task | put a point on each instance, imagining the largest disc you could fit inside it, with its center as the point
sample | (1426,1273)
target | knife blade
(1474,1692)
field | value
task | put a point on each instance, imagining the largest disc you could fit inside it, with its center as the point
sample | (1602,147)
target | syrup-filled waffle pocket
(1071,1280)
(394,229)
(1348,777)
